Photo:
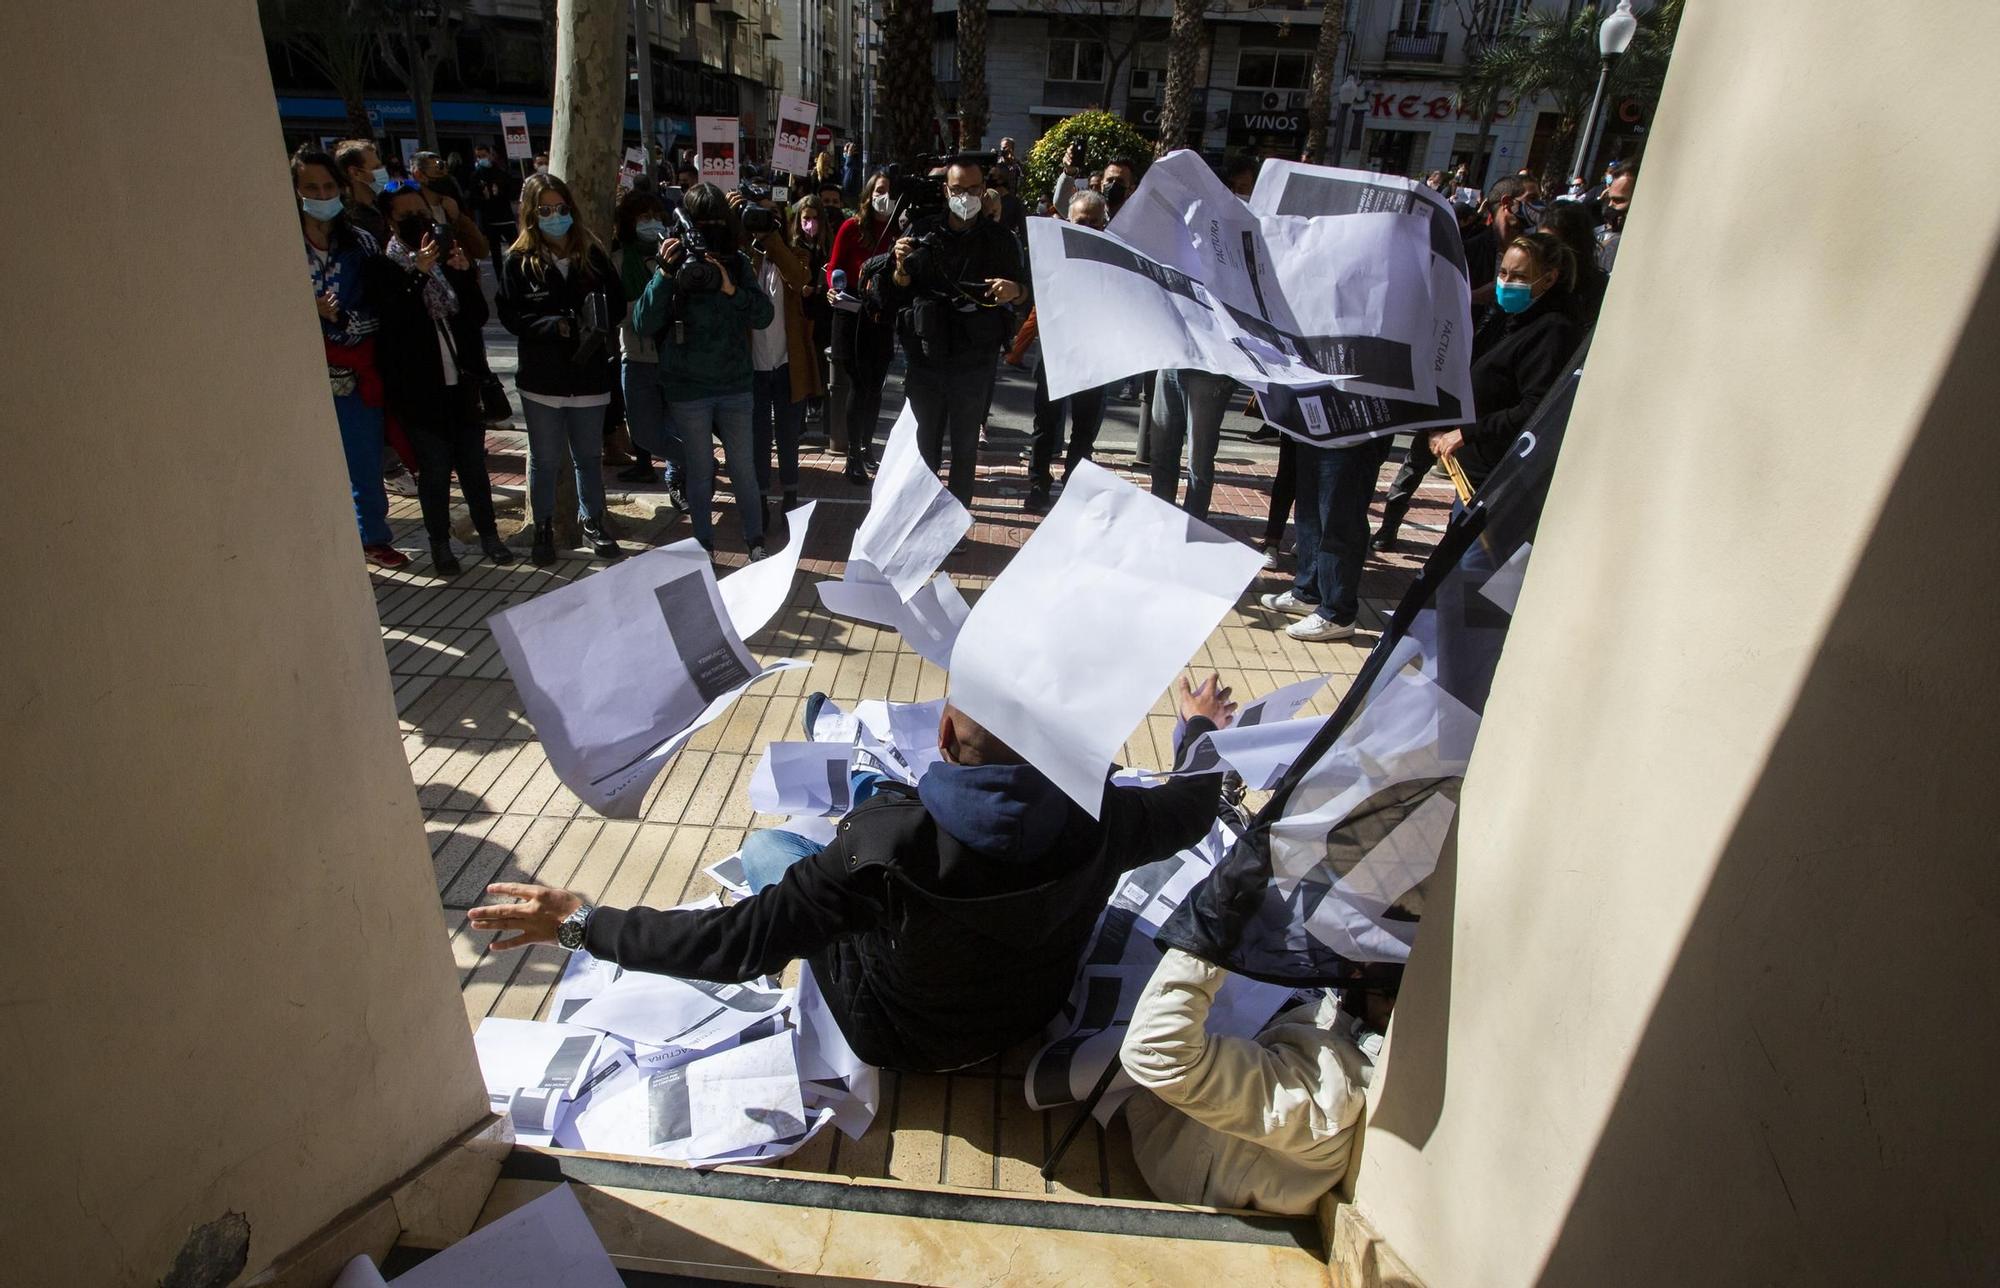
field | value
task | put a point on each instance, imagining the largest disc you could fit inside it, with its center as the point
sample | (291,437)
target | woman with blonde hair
(560,294)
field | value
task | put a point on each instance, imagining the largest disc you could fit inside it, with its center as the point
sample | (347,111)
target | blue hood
(1002,811)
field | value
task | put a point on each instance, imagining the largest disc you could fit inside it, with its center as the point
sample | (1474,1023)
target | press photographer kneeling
(701,305)
(955,273)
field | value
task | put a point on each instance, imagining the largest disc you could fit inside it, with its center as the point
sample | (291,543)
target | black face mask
(1114,193)
(412,229)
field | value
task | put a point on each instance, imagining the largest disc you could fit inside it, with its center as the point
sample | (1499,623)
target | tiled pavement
(495,810)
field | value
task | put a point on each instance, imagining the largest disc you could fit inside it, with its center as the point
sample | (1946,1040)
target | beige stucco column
(225,987)
(1709,998)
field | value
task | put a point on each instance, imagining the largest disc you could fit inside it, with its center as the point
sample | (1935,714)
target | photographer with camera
(427,349)
(559,293)
(700,307)
(954,275)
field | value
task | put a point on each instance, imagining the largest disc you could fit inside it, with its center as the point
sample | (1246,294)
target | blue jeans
(361,444)
(1188,407)
(646,415)
(553,434)
(699,422)
(768,853)
(1335,485)
(773,414)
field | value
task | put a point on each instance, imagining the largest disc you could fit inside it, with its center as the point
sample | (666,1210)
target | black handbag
(493,401)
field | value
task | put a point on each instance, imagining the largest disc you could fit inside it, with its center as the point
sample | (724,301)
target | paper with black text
(1281,703)
(616,668)
(664,1011)
(912,521)
(802,778)
(1091,621)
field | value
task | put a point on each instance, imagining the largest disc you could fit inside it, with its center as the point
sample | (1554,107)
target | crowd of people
(945,921)
(753,319)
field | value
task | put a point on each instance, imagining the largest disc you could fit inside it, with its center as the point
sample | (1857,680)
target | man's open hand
(533,920)
(1210,702)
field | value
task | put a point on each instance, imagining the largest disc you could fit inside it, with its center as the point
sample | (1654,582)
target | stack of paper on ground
(620,669)
(701,1073)
(1087,1033)
(1091,621)
(548,1243)
(1341,303)
(912,525)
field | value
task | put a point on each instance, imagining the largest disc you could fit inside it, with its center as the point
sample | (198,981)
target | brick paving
(494,810)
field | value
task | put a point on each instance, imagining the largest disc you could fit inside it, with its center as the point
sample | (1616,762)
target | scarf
(439,300)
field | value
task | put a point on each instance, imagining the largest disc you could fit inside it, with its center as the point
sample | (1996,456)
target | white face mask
(880,203)
(964,204)
(378,178)
(541,169)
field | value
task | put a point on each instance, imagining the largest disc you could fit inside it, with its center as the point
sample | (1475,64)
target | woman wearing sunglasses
(560,294)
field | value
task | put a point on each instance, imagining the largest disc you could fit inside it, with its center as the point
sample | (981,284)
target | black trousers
(950,402)
(1403,488)
(1284,487)
(1085,413)
(444,446)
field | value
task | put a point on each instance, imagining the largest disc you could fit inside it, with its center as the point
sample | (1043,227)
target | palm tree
(337,38)
(1546,52)
(1319,91)
(972,104)
(1185,40)
(905,81)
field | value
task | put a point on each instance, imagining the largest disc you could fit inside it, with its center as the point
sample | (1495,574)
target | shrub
(1105,135)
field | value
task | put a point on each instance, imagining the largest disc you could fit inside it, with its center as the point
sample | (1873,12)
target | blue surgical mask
(378,178)
(1513,297)
(554,225)
(324,209)
(650,230)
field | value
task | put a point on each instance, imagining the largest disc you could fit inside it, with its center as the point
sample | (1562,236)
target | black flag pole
(1089,1107)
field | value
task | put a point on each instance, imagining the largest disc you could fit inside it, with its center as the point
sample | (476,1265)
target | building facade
(1048,59)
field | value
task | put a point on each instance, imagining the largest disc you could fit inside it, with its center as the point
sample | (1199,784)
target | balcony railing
(1414,47)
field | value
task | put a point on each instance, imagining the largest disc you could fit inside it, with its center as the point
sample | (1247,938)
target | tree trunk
(583,151)
(423,78)
(358,124)
(1183,65)
(907,86)
(972,103)
(1319,94)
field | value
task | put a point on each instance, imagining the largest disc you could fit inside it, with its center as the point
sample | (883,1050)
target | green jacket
(715,359)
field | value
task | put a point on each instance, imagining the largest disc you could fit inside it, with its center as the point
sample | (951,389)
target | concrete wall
(226,987)
(1709,998)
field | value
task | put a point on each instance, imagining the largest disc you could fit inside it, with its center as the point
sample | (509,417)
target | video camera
(758,221)
(695,275)
(919,192)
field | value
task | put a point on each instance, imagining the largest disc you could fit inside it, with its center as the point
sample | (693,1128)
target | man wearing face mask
(366,176)
(1616,201)
(944,922)
(955,276)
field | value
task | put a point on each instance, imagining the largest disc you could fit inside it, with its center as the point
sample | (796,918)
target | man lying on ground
(944,923)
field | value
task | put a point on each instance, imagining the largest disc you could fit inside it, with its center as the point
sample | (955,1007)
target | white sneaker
(1316,627)
(1270,559)
(402,483)
(757,553)
(1285,601)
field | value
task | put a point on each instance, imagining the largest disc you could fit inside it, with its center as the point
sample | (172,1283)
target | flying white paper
(664,1011)
(617,670)
(802,778)
(1074,642)
(548,1243)
(360,1273)
(929,622)
(1260,753)
(912,521)
(754,593)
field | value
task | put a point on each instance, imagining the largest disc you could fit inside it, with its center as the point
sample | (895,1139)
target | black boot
(857,469)
(443,562)
(544,552)
(1038,499)
(1384,539)
(791,502)
(597,532)
(495,549)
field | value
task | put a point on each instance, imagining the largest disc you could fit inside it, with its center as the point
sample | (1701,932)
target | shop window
(1272,68)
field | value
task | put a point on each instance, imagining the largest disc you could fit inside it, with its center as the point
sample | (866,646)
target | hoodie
(943,923)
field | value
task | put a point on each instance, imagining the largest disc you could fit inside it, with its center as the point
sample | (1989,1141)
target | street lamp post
(1350,96)
(1614,37)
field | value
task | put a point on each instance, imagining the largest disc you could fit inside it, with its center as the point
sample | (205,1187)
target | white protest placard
(1074,642)
(634,166)
(514,129)
(792,153)
(715,140)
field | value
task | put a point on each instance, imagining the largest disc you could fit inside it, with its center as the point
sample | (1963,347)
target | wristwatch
(570,932)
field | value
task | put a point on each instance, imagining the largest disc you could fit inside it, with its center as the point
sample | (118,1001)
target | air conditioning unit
(1145,80)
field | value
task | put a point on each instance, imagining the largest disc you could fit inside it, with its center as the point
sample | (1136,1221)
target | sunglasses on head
(395,186)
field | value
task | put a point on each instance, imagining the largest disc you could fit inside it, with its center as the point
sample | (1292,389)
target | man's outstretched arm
(1151,823)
